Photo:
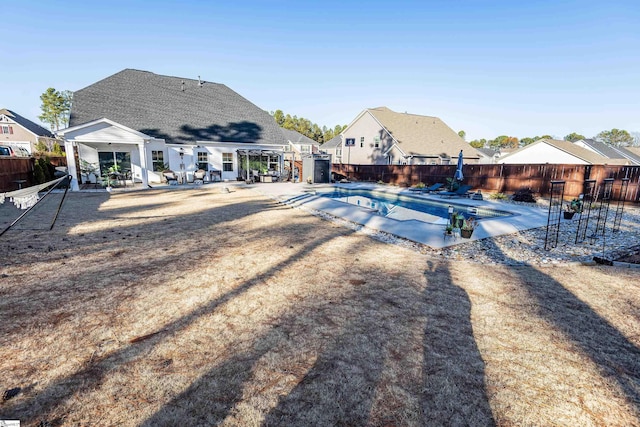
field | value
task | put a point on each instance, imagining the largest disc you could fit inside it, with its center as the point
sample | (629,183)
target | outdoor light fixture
(182,153)
(450,209)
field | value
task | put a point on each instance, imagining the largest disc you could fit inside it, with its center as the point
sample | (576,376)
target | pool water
(403,207)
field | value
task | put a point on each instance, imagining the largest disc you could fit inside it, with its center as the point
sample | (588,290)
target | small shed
(316,168)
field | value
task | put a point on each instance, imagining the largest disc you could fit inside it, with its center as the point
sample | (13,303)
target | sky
(516,68)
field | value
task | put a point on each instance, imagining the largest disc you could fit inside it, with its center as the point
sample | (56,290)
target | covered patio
(261,165)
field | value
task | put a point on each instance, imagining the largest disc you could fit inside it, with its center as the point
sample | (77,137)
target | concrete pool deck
(304,196)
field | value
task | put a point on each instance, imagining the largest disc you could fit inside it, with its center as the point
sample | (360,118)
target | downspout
(72,168)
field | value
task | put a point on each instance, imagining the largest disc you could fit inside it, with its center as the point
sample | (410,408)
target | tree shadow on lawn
(613,354)
(81,286)
(366,363)
(454,388)
(93,374)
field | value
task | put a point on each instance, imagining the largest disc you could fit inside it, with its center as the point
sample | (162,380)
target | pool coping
(432,235)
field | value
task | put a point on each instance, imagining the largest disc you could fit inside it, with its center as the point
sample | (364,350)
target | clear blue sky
(520,68)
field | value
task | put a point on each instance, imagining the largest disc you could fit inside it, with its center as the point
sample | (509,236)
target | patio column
(143,163)
(72,168)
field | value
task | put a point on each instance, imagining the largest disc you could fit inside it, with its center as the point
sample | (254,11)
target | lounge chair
(462,191)
(170,177)
(434,187)
(198,176)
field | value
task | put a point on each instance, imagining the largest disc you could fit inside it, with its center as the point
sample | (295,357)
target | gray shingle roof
(296,137)
(26,123)
(175,109)
(422,135)
(602,148)
(333,142)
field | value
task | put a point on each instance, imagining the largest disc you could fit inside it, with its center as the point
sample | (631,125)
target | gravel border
(524,247)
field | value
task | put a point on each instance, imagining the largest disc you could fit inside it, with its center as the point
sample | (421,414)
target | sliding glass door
(108,159)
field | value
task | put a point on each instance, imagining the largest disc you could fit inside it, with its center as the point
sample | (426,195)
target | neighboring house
(298,144)
(557,152)
(17,131)
(633,150)
(143,122)
(487,155)
(609,151)
(334,147)
(380,136)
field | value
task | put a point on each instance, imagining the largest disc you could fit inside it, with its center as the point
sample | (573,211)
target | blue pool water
(403,207)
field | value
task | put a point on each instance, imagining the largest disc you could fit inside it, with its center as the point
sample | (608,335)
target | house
(18,131)
(298,144)
(609,151)
(144,123)
(557,152)
(487,155)
(382,136)
(333,147)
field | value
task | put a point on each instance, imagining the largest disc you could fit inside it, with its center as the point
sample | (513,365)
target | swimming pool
(404,207)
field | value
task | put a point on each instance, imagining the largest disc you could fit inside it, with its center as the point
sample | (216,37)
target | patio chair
(198,177)
(462,191)
(170,177)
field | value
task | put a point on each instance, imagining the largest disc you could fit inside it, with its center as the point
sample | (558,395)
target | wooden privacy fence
(13,170)
(500,178)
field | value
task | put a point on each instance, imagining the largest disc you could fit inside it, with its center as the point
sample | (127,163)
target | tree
(615,137)
(527,140)
(55,107)
(306,127)
(279,116)
(504,141)
(478,143)
(573,137)
(462,134)
(67,96)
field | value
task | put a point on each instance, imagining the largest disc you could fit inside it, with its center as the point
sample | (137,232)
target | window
(338,152)
(157,160)
(305,149)
(361,141)
(227,162)
(7,129)
(274,162)
(203,161)
(376,141)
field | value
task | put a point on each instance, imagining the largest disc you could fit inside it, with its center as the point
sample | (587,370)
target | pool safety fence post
(624,187)
(553,217)
(588,199)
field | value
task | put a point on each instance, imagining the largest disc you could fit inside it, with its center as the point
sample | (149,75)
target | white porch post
(71,165)
(143,163)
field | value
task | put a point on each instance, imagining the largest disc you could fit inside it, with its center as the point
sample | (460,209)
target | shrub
(38,174)
(524,195)
(498,196)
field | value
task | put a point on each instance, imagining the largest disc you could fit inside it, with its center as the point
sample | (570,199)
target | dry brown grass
(175,307)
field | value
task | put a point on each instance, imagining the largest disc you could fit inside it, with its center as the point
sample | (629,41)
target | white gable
(103,132)
(541,152)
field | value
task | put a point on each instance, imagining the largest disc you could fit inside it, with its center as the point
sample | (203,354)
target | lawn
(198,307)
